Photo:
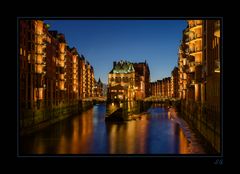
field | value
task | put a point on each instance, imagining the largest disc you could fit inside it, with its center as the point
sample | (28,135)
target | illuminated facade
(174,83)
(89,80)
(82,77)
(98,88)
(199,76)
(129,81)
(161,88)
(52,75)
(182,67)
(121,81)
(199,57)
(167,87)
(190,63)
(72,78)
(32,54)
(194,60)
(142,80)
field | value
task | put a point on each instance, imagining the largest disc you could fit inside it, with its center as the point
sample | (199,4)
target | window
(29,58)
(20,51)
(125,79)
(118,79)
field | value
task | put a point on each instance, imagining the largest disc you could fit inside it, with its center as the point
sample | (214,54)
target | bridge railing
(159,98)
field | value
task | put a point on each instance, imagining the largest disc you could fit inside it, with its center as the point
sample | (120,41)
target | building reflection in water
(81,137)
(128,138)
(40,148)
(154,133)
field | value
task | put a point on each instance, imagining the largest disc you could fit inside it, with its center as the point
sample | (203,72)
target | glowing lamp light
(217,70)
(40,93)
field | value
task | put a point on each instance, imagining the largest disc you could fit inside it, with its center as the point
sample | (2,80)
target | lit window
(24,53)
(20,51)
(29,56)
(40,93)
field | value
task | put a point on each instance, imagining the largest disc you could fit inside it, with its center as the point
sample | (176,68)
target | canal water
(159,131)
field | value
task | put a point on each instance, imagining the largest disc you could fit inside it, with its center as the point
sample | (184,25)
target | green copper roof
(123,67)
(48,26)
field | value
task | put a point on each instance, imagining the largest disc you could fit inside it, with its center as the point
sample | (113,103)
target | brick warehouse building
(199,77)
(128,81)
(142,80)
(54,79)
(161,88)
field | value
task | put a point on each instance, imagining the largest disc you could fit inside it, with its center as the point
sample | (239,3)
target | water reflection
(88,133)
(129,137)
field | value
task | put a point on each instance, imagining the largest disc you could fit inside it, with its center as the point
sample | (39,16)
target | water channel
(157,132)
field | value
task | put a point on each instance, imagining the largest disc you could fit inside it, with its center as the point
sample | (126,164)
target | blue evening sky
(104,41)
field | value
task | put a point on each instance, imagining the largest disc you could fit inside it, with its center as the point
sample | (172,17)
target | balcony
(61,76)
(74,76)
(44,45)
(43,63)
(191,59)
(62,57)
(39,59)
(192,51)
(217,28)
(40,34)
(191,69)
(195,50)
(195,37)
(38,43)
(61,85)
(195,25)
(61,63)
(44,73)
(185,68)
(39,52)
(39,69)
(184,78)
(193,82)
(63,53)
(184,59)
(40,93)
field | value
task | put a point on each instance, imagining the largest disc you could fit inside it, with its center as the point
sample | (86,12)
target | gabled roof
(122,67)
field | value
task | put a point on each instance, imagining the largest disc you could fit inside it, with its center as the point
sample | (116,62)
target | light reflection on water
(88,133)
